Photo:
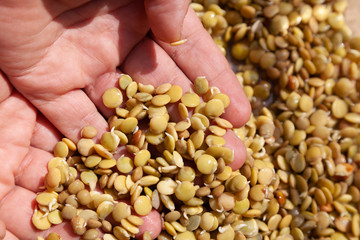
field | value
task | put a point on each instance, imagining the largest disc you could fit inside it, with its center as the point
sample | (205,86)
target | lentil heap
(299,67)
(142,159)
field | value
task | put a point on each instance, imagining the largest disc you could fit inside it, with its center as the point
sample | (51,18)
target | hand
(352,17)
(62,55)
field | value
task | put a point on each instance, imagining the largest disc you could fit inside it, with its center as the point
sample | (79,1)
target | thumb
(166,18)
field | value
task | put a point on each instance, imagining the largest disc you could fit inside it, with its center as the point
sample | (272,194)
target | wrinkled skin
(58,57)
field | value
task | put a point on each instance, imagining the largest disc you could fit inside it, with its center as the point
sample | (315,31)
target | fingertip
(239,111)
(152,224)
(166,18)
(234,143)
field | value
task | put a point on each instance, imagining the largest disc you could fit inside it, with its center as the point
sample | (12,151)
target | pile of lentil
(299,66)
(142,159)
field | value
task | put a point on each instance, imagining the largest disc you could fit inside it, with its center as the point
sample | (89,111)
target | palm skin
(61,56)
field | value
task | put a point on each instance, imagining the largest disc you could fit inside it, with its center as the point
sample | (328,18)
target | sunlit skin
(58,58)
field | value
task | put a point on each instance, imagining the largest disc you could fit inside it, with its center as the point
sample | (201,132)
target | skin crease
(60,58)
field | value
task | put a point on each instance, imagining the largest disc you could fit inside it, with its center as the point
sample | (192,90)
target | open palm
(62,55)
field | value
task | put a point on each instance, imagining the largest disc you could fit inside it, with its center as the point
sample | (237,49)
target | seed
(208,221)
(274,221)
(83,197)
(206,164)
(125,164)
(267,60)
(214,140)
(85,146)
(175,93)
(214,108)
(39,221)
(185,191)
(135,220)
(240,51)
(305,103)
(112,97)
(141,158)
(110,141)
(54,217)
(78,225)
(258,192)
(61,149)
(209,19)
(142,205)
(226,201)
(241,206)
(124,81)
(101,151)
(88,132)
(92,161)
(53,177)
(158,124)
(237,183)
(178,42)
(129,125)
(90,234)
(75,187)
(265,176)
(121,211)
(46,198)
(147,236)
(183,111)
(190,99)
(166,186)
(68,212)
(160,100)
(186,174)
(129,227)
(53,236)
(201,85)
(89,178)
(104,209)
(131,89)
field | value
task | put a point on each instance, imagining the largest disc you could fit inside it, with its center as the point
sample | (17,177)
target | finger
(45,135)
(5,87)
(33,169)
(166,18)
(96,89)
(200,56)
(234,143)
(70,112)
(152,224)
(9,236)
(148,63)
(16,211)
(16,125)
